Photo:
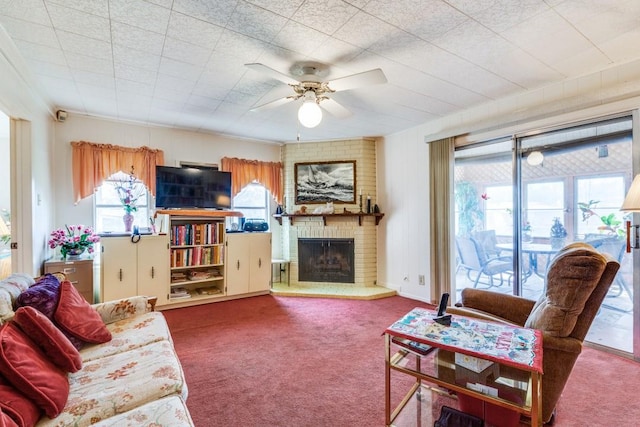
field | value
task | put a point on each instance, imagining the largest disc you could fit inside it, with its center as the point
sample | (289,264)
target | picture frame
(323,182)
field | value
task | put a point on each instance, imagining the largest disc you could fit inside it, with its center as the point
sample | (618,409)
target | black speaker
(255,225)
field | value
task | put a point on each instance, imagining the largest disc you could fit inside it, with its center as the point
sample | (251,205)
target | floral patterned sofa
(70,363)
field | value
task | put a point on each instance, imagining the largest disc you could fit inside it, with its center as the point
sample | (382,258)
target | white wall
(178,145)
(36,191)
(403,195)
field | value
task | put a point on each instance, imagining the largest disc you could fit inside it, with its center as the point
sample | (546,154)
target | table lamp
(632,204)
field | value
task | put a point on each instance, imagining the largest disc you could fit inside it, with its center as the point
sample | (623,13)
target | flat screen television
(192,188)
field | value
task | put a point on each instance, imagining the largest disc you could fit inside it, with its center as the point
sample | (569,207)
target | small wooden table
(517,351)
(280,263)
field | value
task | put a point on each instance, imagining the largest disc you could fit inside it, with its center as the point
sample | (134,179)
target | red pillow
(55,345)
(17,406)
(75,316)
(6,420)
(25,366)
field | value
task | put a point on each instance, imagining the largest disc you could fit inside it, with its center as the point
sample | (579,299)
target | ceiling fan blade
(371,77)
(272,104)
(335,109)
(261,68)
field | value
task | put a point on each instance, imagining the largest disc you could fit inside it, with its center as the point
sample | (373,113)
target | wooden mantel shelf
(359,215)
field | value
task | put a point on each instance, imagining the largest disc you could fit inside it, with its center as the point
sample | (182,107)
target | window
(544,202)
(498,209)
(253,202)
(109,210)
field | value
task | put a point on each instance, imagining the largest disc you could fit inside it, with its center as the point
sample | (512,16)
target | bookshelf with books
(197,258)
(196,255)
(199,252)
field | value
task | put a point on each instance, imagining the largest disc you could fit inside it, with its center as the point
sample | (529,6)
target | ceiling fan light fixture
(310,114)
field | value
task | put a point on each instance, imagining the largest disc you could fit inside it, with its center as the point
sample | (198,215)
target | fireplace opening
(326,260)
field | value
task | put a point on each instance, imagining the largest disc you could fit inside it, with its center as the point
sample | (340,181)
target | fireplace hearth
(326,260)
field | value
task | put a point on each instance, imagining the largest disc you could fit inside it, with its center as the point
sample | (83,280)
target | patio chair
(615,247)
(474,260)
(488,241)
(578,279)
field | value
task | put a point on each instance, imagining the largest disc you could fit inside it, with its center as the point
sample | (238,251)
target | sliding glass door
(560,186)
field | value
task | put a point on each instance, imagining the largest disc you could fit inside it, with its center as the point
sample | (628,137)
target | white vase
(128,222)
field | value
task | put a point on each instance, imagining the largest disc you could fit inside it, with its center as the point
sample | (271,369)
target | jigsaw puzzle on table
(511,345)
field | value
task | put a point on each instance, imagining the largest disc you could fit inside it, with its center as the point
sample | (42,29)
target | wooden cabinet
(248,266)
(129,267)
(78,272)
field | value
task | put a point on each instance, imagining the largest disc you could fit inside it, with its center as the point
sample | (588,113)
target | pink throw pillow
(24,365)
(17,406)
(76,317)
(55,345)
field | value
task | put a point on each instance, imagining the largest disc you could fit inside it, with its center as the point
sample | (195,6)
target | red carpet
(287,361)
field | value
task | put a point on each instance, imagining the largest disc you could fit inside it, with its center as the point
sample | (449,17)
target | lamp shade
(632,201)
(310,114)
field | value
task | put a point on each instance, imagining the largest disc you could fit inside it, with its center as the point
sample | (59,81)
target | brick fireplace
(363,234)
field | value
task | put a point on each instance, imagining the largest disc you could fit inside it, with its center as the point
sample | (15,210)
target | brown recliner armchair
(577,281)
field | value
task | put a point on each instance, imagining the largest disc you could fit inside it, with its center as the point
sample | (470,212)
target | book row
(197,234)
(197,255)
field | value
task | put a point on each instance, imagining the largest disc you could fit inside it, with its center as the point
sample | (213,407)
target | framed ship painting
(322,182)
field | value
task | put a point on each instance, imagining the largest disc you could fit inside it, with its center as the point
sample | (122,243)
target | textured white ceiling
(181,63)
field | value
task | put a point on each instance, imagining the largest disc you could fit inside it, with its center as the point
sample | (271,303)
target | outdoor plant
(470,213)
(73,239)
(610,224)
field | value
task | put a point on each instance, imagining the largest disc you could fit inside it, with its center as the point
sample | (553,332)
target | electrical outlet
(421,280)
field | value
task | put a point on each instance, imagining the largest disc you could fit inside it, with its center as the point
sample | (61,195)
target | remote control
(443,304)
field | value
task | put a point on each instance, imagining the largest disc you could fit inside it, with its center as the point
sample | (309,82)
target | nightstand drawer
(78,272)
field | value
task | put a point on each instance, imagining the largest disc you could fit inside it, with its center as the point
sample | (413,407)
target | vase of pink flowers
(129,191)
(73,240)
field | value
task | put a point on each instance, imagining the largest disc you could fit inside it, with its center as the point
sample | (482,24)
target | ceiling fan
(306,80)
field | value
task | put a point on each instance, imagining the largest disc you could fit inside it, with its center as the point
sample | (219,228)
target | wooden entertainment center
(191,261)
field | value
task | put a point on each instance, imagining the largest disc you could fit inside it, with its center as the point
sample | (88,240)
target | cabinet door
(153,267)
(118,266)
(260,263)
(237,263)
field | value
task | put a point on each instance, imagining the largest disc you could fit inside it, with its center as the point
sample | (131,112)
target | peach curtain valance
(244,172)
(93,163)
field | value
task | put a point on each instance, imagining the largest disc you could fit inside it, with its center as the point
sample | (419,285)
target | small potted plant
(527,236)
(558,234)
(73,240)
